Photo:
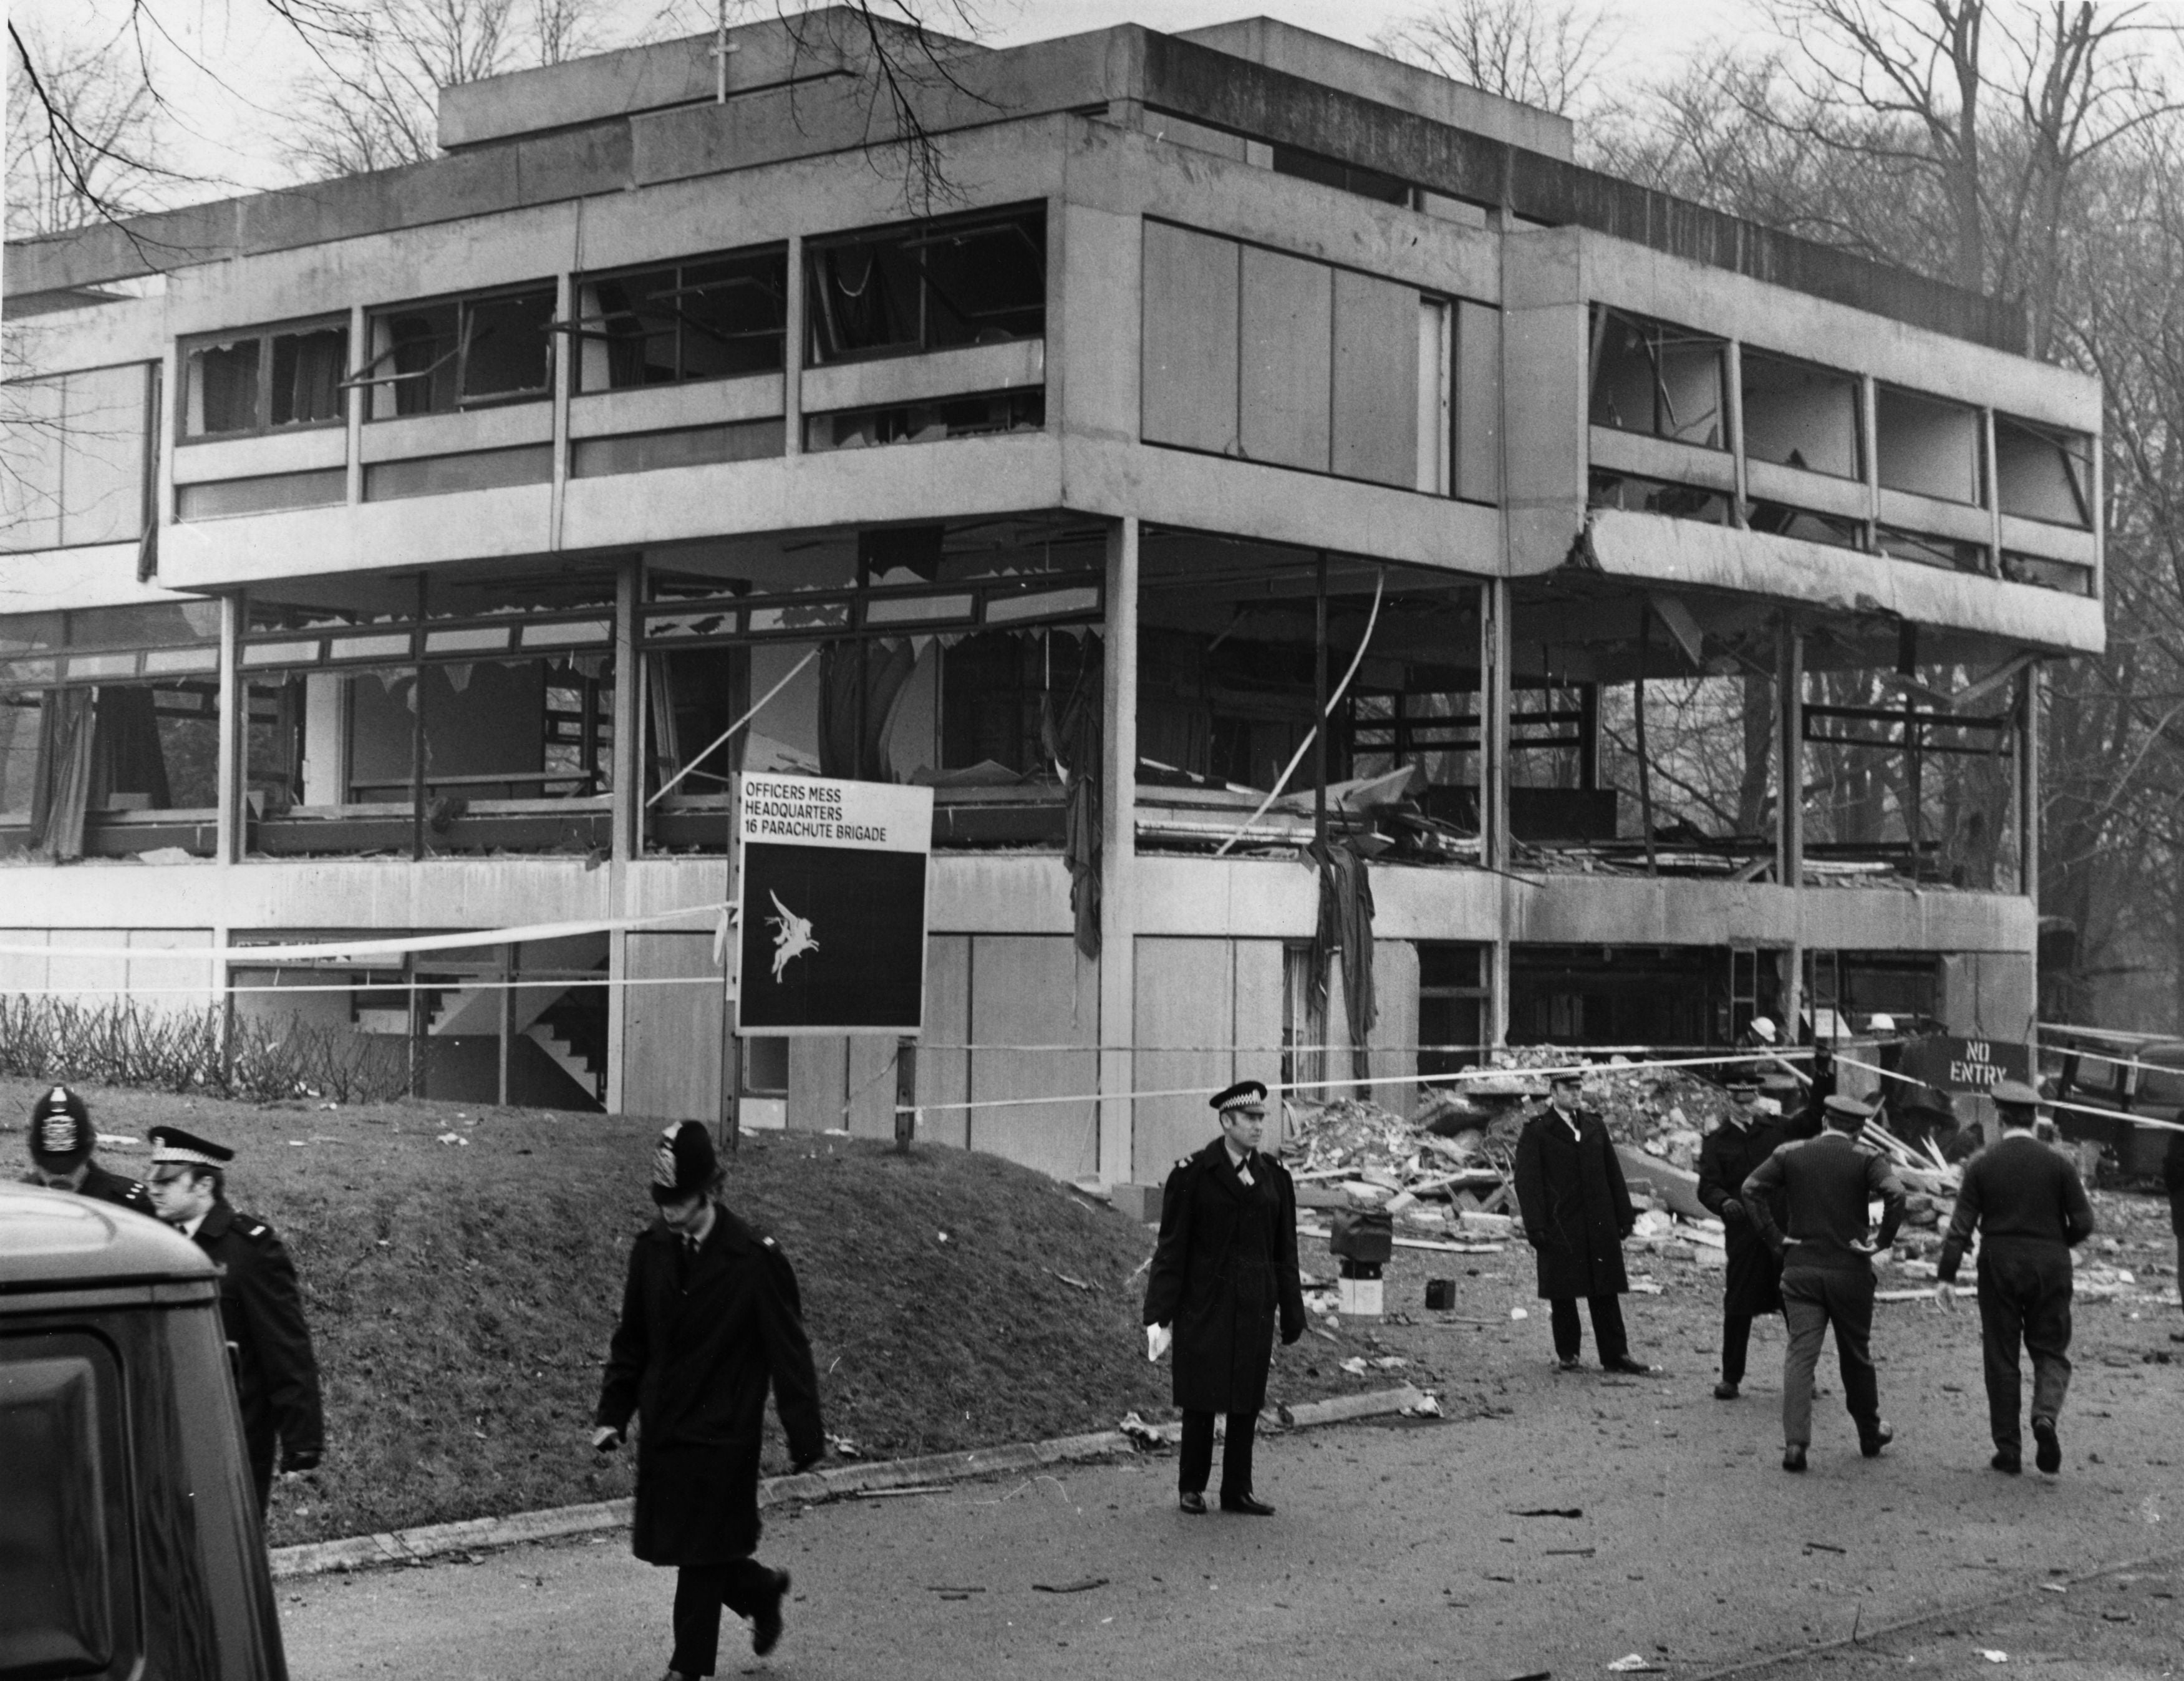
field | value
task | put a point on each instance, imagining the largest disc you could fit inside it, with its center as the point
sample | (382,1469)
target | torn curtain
(1077,746)
(860,686)
(1346,926)
(66,723)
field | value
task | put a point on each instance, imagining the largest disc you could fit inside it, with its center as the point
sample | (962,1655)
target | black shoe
(1724,1391)
(765,1622)
(1193,1503)
(2048,1454)
(1793,1457)
(1568,1363)
(1250,1505)
(1871,1442)
(2005,1461)
(1629,1367)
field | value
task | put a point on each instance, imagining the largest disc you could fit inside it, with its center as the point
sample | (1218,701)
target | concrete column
(1494,656)
(625,818)
(360,358)
(234,730)
(1991,471)
(792,351)
(1869,430)
(166,430)
(1118,844)
(1732,375)
(566,349)
(2029,708)
(1790,702)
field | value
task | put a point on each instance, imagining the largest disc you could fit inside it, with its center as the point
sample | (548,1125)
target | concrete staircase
(565,1057)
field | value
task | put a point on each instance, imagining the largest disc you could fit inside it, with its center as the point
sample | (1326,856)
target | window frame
(584,326)
(367,379)
(913,236)
(187,346)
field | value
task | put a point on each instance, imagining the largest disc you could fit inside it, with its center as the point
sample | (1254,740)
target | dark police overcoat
(700,1340)
(109,1187)
(261,1310)
(1726,1160)
(1224,1272)
(1575,1206)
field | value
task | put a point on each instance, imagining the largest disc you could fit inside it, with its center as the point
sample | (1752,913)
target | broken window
(978,279)
(1796,415)
(980,415)
(1634,495)
(955,657)
(109,739)
(479,718)
(1642,731)
(1454,1025)
(712,318)
(1233,637)
(461,353)
(1927,446)
(1661,996)
(264,380)
(1910,772)
(2044,472)
(1652,377)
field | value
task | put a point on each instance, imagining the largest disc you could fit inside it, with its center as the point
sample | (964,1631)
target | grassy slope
(461,1295)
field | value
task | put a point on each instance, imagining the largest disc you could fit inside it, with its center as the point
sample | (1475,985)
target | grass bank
(461,1270)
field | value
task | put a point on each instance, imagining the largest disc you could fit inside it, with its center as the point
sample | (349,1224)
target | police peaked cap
(1930,1100)
(1742,1080)
(1566,1076)
(172,1144)
(1850,1109)
(61,1134)
(684,1163)
(1244,1094)
(2015,1094)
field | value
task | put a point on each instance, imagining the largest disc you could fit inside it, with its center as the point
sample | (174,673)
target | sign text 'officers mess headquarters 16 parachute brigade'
(833,937)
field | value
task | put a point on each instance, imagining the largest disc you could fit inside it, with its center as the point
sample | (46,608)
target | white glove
(1158,1340)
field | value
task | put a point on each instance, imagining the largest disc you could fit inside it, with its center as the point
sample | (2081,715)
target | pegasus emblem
(792,935)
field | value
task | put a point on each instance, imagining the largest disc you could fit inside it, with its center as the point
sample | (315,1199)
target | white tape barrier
(2045,1102)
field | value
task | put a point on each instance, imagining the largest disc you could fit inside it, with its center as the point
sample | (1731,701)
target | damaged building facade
(1636,617)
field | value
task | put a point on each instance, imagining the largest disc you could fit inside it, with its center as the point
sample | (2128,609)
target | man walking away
(1577,1212)
(1224,1274)
(2030,1209)
(1827,1273)
(710,1319)
(2172,1176)
(1753,1284)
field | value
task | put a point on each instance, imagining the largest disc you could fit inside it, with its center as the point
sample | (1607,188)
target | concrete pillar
(1732,375)
(567,347)
(1868,428)
(233,766)
(792,352)
(1789,703)
(1118,843)
(1990,473)
(625,819)
(1493,657)
(2030,694)
(360,358)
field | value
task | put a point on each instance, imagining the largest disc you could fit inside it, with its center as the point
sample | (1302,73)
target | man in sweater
(1827,1269)
(2030,1209)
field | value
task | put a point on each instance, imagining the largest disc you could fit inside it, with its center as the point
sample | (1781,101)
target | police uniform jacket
(1225,1271)
(110,1187)
(261,1309)
(702,1337)
(1727,1158)
(1576,1209)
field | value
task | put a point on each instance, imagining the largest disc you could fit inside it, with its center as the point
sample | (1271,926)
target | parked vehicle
(2083,1076)
(129,1544)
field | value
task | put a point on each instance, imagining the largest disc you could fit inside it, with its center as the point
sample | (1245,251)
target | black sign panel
(832,940)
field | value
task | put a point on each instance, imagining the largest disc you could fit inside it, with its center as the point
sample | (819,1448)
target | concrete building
(378,551)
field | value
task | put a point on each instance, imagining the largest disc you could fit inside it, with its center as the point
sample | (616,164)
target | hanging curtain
(1346,926)
(1076,745)
(66,723)
(126,754)
(883,668)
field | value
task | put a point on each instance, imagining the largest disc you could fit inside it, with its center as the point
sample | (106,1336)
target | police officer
(1224,1271)
(276,1379)
(1827,1275)
(1577,1211)
(2030,1209)
(1746,1138)
(62,1139)
(2172,1181)
(710,1319)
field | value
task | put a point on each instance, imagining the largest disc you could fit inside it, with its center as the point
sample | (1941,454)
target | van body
(2149,1081)
(130,1548)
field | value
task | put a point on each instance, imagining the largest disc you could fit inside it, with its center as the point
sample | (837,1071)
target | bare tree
(82,133)
(1550,56)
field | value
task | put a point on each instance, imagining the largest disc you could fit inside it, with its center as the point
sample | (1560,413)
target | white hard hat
(1764,1026)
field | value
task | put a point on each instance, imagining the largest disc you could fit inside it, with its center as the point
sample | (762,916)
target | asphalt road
(1398,1548)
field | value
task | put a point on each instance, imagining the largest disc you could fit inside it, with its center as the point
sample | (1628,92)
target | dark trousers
(1608,1332)
(1196,1463)
(261,1449)
(1814,1300)
(743,1585)
(2023,1298)
(1735,1344)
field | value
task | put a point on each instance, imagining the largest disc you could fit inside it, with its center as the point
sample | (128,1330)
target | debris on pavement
(1080,1587)
(1637,1663)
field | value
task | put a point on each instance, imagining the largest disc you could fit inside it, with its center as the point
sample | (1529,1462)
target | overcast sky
(225,130)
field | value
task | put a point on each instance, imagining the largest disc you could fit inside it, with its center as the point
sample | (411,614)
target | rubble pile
(1666,1112)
